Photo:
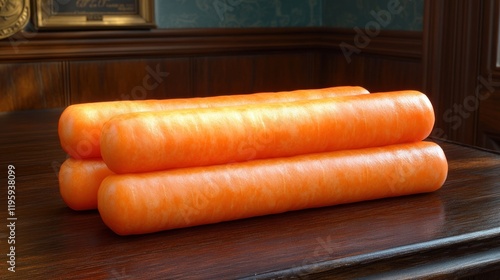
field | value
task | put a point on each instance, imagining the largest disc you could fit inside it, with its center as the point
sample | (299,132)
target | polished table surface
(454,232)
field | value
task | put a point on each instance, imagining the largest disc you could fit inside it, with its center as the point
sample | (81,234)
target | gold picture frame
(94,14)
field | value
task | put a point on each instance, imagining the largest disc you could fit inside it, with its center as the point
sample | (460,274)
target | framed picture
(94,14)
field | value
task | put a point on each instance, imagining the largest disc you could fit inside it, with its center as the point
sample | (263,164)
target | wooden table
(454,232)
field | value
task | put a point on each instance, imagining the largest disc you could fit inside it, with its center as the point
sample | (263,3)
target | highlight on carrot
(156,201)
(153,141)
(80,125)
(79,181)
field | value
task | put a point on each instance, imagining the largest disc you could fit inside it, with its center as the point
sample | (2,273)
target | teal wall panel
(389,14)
(237,13)
(405,15)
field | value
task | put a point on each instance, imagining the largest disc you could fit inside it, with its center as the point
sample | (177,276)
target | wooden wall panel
(286,71)
(460,71)
(218,75)
(116,65)
(266,71)
(104,80)
(32,86)
(452,54)
(487,98)
(373,73)
(489,121)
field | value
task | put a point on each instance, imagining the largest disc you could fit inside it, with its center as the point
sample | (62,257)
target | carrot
(79,181)
(157,201)
(153,141)
(80,124)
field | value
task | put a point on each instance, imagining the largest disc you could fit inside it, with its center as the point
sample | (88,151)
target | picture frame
(94,14)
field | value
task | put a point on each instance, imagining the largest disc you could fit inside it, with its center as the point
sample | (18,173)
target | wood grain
(106,80)
(222,74)
(31,85)
(488,126)
(374,73)
(454,232)
(286,71)
(461,74)
(89,66)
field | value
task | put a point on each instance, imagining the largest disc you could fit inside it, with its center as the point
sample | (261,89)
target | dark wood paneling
(286,71)
(374,73)
(218,75)
(488,131)
(132,79)
(114,65)
(256,72)
(432,50)
(32,86)
(453,40)
(460,71)
(488,93)
(391,60)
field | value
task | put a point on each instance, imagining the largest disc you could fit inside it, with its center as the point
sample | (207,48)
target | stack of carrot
(154,165)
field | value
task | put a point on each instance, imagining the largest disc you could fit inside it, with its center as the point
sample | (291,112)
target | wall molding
(393,43)
(28,46)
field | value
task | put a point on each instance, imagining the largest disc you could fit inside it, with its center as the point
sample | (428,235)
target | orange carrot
(156,201)
(80,124)
(153,141)
(79,181)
